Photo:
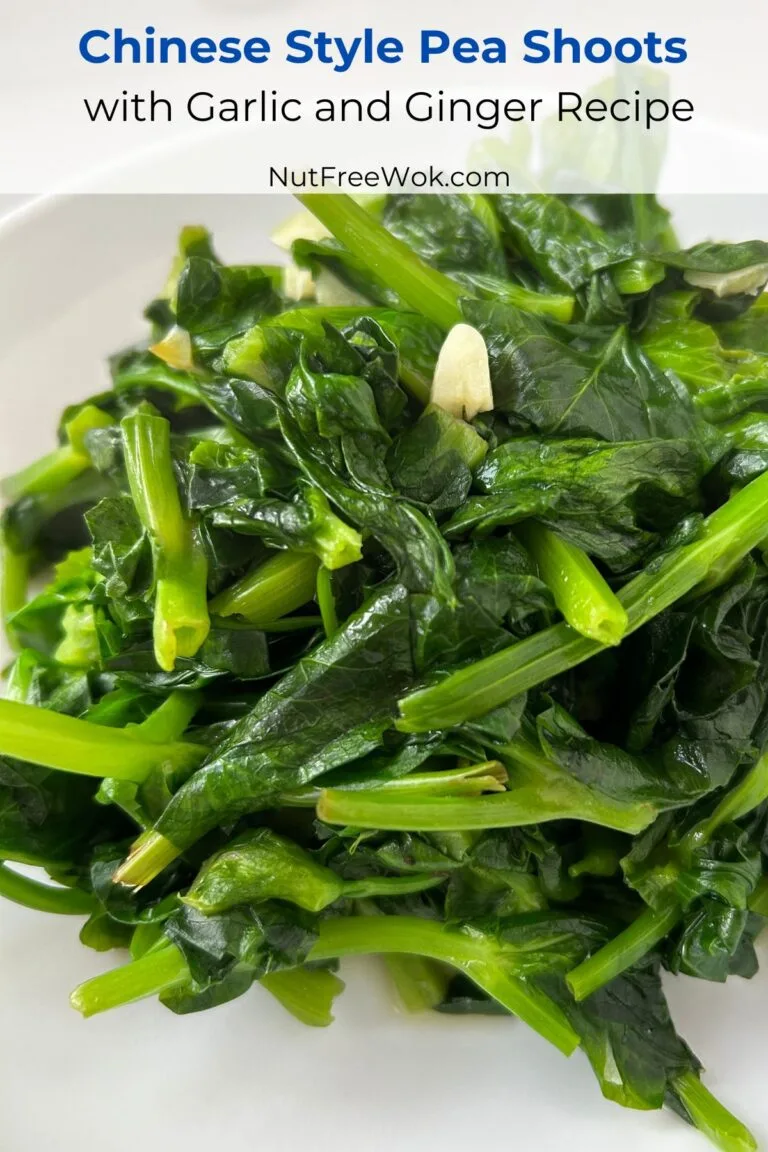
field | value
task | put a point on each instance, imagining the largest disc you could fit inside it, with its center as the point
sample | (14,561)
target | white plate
(74,275)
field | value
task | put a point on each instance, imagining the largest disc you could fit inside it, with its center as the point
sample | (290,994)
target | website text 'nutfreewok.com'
(387,176)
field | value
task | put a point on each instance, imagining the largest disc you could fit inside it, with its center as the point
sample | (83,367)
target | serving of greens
(411,599)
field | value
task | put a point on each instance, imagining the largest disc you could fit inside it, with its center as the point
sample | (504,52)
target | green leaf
(530,222)
(432,461)
(608,390)
(612,500)
(311,721)
(630,1040)
(447,232)
(215,303)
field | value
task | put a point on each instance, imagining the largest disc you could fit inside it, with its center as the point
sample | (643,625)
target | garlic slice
(298,283)
(300,226)
(334,293)
(462,380)
(749,280)
(175,349)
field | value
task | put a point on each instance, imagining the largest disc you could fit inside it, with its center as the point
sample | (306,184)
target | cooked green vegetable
(579,591)
(724,539)
(425,618)
(279,585)
(672,893)
(181,621)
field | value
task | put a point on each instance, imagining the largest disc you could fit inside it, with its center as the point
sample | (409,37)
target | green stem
(729,533)
(43,897)
(738,802)
(326,602)
(388,886)
(530,804)
(724,401)
(633,277)
(547,304)
(412,935)
(488,683)
(181,620)
(650,927)
(14,581)
(711,1117)
(312,319)
(490,776)
(50,472)
(420,983)
(486,214)
(42,736)
(149,855)
(280,585)
(166,968)
(423,288)
(154,973)
(147,447)
(579,591)
(170,721)
(59,468)
(471,780)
